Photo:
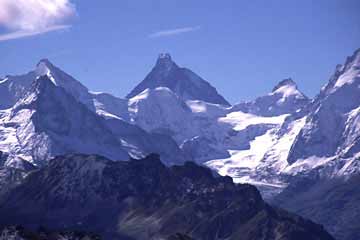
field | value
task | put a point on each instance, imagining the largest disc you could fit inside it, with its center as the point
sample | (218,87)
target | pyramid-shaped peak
(351,62)
(286,82)
(45,67)
(42,68)
(288,88)
(345,74)
(44,61)
(183,82)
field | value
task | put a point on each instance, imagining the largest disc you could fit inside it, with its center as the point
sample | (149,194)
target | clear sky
(241,47)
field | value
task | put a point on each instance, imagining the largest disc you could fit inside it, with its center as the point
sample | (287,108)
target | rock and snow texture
(14,87)
(108,106)
(271,142)
(322,135)
(246,146)
(285,98)
(258,149)
(174,112)
(182,81)
(332,125)
(162,111)
(48,121)
(233,142)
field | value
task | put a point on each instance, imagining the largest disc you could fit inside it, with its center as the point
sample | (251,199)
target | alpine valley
(175,160)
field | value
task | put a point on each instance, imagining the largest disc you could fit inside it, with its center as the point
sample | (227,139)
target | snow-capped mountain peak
(48,121)
(284,85)
(46,62)
(285,82)
(345,74)
(182,81)
(350,71)
(285,98)
(15,87)
(353,61)
(287,88)
(62,79)
(43,68)
(331,129)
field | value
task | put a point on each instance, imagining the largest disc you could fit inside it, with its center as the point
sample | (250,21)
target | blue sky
(243,48)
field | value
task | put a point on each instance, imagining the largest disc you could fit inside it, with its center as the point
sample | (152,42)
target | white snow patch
(241,120)
(287,91)
(96,93)
(4,80)
(205,109)
(106,114)
(309,163)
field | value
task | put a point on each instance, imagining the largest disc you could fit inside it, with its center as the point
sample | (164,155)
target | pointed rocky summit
(182,81)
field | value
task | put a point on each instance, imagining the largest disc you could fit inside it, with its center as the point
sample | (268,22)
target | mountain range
(275,142)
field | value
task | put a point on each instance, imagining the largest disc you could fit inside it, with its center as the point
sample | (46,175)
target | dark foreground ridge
(144,199)
(20,233)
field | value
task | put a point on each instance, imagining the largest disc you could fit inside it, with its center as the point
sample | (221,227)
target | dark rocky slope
(144,199)
(20,233)
(333,203)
